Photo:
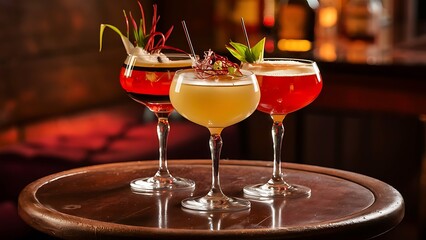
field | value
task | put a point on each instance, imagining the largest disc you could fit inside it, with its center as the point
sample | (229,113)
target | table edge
(380,219)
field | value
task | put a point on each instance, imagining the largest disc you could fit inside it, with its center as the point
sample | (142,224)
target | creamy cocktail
(215,99)
(214,103)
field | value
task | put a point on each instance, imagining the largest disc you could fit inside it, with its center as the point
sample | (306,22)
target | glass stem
(277,139)
(215,143)
(163,129)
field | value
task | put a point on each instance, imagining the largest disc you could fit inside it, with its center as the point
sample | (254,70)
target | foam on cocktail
(141,58)
(147,77)
(281,68)
(214,103)
(191,78)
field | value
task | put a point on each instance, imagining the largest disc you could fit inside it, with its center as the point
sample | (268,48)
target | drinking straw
(245,33)
(185,29)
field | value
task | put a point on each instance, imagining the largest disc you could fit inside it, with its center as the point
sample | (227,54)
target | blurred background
(61,104)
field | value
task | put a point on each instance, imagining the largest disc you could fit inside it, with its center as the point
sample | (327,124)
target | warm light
(328,16)
(269,13)
(269,45)
(268,21)
(242,10)
(327,52)
(9,136)
(294,45)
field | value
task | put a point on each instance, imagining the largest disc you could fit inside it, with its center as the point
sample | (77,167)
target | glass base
(216,204)
(153,184)
(277,190)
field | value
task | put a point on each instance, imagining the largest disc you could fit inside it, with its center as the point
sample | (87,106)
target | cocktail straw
(185,29)
(245,33)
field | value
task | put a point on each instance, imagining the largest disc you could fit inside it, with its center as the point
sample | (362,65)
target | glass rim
(174,60)
(194,70)
(181,55)
(300,60)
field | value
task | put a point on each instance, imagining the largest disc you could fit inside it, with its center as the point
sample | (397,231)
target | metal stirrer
(245,33)
(185,29)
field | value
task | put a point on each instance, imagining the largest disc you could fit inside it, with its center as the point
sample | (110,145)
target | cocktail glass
(286,85)
(215,103)
(146,79)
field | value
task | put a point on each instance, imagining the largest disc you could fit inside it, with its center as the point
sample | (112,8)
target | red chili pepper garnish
(146,40)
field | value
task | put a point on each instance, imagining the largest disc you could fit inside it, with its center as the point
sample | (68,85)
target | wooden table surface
(96,202)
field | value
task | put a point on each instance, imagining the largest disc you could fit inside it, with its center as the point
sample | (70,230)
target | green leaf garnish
(101,33)
(259,49)
(234,71)
(238,50)
(246,54)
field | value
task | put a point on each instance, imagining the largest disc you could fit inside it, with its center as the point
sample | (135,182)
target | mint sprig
(246,54)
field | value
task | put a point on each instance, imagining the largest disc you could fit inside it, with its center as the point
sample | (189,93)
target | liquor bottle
(296,19)
(327,46)
(365,28)
(362,19)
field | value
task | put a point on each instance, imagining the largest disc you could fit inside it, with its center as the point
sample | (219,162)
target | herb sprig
(246,54)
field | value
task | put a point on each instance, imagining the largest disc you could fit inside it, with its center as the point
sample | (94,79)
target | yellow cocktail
(215,102)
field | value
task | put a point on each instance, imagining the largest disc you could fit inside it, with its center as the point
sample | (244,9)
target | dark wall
(49,58)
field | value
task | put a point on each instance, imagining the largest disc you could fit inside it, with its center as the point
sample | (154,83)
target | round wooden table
(96,202)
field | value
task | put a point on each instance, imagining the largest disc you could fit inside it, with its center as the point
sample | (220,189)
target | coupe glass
(147,79)
(286,85)
(215,103)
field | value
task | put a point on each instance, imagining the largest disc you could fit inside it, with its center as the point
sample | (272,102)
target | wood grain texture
(96,202)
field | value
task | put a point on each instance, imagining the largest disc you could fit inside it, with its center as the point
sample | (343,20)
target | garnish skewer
(245,33)
(188,38)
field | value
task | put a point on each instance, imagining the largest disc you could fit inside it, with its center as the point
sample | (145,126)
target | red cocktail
(149,82)
(286,94)
(146,76)
(286,85)
(146,79)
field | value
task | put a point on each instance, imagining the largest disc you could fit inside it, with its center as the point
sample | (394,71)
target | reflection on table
(96,201)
